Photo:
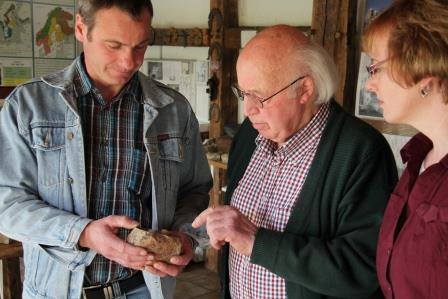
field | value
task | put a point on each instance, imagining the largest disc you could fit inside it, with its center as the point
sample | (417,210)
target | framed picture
(366,103)
(373,8)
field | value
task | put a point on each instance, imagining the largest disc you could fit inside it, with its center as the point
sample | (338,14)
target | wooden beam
(223,107)
(189,37)
(329,28)
(10,250)
(5,91)
(394,129)
(12,285)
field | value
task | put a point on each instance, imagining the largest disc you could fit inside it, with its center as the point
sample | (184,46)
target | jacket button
(70,181)
(70,135)
(388,251)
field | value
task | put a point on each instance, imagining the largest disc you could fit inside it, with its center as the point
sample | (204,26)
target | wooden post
(12,284)
(330,29)
(223,106)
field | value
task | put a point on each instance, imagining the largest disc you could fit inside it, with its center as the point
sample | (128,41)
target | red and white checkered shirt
(267,194)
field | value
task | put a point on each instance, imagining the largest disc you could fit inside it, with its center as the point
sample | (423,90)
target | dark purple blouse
(412,253)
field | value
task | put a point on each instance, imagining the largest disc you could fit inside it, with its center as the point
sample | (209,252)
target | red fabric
(412,252)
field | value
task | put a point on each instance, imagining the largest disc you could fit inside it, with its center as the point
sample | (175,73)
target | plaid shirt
(117,168)
(266,194)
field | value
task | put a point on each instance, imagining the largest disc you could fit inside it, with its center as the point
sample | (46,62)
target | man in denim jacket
(93,151)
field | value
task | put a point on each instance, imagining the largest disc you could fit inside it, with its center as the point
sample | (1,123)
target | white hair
(315,61)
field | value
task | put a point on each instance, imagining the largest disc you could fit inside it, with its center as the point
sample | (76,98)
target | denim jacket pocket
(171,149)
(41,271)
(49,144)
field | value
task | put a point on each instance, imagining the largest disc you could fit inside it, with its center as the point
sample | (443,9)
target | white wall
(268,12)
(181,13)
(194,13)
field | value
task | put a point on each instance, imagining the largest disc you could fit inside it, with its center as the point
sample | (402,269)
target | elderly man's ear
(306,92)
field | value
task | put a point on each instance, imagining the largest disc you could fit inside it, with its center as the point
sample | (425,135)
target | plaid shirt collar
(301,141)
(84,85)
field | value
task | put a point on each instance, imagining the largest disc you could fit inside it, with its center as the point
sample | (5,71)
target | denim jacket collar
(152,94)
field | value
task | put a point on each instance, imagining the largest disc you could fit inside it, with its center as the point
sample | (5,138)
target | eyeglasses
(241,94)
(373,68)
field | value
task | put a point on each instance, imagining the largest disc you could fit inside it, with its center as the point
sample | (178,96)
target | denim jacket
(43,185)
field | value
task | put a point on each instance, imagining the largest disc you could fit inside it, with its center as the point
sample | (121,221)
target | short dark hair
(88,8)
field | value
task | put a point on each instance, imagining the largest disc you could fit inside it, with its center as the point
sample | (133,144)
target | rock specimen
(162,245)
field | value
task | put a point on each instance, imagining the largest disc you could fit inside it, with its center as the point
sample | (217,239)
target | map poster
(15,25)
(15,71)
(54,31)
(44,67)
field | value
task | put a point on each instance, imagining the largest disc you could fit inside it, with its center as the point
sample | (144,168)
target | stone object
(162,245)
(225,158)
(213,156)
(4,239)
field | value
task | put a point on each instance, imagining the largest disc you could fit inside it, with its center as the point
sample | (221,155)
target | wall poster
(36,38)
(367,102)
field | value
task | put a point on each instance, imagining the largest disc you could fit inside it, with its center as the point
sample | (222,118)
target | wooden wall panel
(223,106)
(330,29)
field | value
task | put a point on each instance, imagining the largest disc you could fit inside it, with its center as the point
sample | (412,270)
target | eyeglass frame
(372,68)
(241,94)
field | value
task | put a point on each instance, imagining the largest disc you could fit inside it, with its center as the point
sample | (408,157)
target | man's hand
(227,224)
(100,236)
(177,263)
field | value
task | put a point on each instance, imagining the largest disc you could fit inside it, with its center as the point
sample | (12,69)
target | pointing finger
(202,218)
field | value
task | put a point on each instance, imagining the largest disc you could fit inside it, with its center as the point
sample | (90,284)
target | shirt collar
(83,84)
(304,139)
(417,148)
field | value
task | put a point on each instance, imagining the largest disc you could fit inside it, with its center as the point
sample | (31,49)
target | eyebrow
(251,92)
(123,44)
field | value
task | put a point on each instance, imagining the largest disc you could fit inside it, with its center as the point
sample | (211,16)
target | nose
(129,60)
(370,85)
(250,107)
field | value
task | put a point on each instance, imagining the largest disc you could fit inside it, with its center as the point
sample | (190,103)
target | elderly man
(93,151)
(308,182)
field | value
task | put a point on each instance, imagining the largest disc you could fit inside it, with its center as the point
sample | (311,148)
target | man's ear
(307,90)
(80,29)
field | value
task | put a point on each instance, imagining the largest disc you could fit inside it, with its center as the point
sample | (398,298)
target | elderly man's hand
(227,224)
(100,236)
(177,263)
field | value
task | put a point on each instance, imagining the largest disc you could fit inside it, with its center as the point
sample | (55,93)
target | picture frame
(366,103)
